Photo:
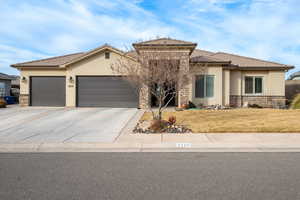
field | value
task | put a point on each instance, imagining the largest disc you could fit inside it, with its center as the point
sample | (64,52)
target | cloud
(59,27)
(266,29)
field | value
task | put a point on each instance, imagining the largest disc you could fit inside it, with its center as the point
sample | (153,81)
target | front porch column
(184,90)
(144,97)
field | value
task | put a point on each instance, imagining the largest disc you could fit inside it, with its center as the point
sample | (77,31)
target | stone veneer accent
(24,99)
(264,101)
(184,91)
(144,98)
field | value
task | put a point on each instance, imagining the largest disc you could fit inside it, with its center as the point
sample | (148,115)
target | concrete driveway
(53,125)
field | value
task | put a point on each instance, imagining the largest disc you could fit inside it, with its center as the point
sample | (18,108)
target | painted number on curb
(183,145)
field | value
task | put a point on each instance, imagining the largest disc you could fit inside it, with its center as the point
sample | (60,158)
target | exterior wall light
(71,79)
(23,78)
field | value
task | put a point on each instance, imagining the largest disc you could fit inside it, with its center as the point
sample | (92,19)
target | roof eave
(287,67)
(34,66)
(210,62)
(191,47)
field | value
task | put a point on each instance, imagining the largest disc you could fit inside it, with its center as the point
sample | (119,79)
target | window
(107,55)
(204,86)
(253,85)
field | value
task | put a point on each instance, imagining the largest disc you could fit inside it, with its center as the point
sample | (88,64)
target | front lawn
(236,120)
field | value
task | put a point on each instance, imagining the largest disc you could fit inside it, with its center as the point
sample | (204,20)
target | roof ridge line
(257,59)
(163,38)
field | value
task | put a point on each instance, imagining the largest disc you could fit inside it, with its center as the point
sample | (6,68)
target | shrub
(296,102)
(2,103)
(172,120)
(158,125)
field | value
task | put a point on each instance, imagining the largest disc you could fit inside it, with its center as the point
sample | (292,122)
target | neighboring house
(86,79)
(294,76)
(292,86)
(5,84)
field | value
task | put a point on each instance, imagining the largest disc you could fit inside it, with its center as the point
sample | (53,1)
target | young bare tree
(158,73)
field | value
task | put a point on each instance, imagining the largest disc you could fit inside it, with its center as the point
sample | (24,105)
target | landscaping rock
(144,127)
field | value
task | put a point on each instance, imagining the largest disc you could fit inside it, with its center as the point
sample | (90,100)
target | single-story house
(5,84)
(85,79)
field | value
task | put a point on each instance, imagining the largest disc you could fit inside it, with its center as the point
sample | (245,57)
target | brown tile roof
(50,62)
(243,61)
(200,52)
(132,54)
(196,56)
(164,41)
(207,59)
(65,59)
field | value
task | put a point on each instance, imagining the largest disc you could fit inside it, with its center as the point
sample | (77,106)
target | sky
(35,29)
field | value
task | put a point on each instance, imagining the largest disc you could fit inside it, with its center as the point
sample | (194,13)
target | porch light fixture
(23,78)
(70,78)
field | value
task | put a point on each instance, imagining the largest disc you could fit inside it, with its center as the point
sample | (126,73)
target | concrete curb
(137,147)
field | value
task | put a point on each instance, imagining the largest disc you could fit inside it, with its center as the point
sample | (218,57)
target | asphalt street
(150,176)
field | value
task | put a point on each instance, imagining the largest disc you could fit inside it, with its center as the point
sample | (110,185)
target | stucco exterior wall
(265,82)
(276,83)
(95,65)
(218,85)
(226,87)
(24,85)
(235,82)
(273,82)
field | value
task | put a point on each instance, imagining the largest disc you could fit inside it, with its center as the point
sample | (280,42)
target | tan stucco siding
(235,82)
(218,85)
(226,87)
(27,73)
(265,82)
(276,83)
(96,65)
(273,82)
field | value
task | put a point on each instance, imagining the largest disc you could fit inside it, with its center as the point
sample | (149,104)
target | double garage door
(91,91)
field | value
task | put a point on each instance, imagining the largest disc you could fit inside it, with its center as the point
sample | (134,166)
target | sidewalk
(201,142)
(224,142)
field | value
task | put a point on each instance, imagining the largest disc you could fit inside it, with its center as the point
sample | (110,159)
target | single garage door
(48,91)
(104,91)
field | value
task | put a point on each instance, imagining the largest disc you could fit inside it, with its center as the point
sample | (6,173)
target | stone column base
(24,99)
(263,101)
(144,98)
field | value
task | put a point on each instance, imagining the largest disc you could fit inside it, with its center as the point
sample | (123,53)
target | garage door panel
(48,91)
(105,92)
